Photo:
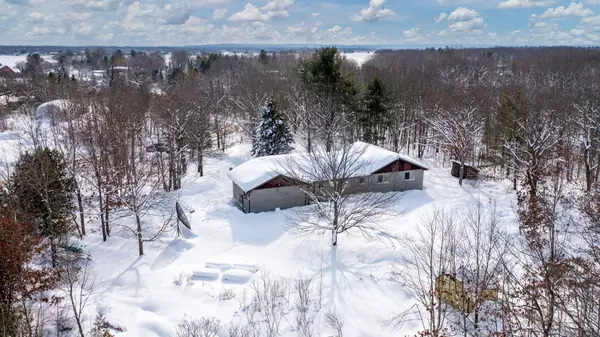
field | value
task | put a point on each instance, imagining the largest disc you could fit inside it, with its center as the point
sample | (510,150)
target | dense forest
(128,125)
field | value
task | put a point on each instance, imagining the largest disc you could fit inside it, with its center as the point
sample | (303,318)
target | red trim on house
(397,166)
(279,181)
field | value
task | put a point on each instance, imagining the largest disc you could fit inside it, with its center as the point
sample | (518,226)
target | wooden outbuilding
(469,172)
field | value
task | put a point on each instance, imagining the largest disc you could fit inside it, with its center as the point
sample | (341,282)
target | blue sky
(179,22)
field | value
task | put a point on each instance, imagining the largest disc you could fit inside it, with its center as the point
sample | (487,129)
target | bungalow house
(261,184)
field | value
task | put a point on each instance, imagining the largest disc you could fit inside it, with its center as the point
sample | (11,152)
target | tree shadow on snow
(258,229)
(170,254)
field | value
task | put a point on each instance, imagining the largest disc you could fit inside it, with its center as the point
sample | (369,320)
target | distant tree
(272,136)
(263,57)
(375,114)
(33,66)
(179,59)
(44,191)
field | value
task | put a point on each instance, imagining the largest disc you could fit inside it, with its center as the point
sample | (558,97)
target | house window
(380,179)
(320,185)
(409,176)
(361,180)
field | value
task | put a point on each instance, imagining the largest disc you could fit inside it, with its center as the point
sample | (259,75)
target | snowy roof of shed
(258,171)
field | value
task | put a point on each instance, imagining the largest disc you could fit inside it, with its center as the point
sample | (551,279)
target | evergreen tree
(43,191)
(272,136)
(263,57)
(333,93)
(374,117)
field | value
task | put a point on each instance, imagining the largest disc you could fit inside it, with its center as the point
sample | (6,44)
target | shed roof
(258,171)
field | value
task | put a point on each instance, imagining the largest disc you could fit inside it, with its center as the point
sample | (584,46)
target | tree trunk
(588,170)
(80,206)
(139,234)
(107,213)
(333,237)
(102,221)
(53,252)
(200,160)
(461,172)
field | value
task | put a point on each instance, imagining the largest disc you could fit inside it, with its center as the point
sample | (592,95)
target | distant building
(6,71)
(260,184)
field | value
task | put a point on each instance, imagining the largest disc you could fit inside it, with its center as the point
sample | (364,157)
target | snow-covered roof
(258,171)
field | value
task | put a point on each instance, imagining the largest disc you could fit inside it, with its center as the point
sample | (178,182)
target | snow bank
(237,276)
(47,109)
(218,265)
(206,273)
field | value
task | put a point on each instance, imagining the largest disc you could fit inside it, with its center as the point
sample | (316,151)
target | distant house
(6,71)
(469,172)
(260,184)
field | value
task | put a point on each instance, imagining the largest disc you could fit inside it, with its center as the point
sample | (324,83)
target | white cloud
(374,12)
(95,5)
(466,20)
(574,9)
(441,17)
(469,25)
(219,14)
(275,9)
(591,20)
(526,3)
(278,5)
(35,17)
(463,14)
(412,35)
(316,15)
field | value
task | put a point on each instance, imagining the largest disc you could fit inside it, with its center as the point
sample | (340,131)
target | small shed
(469,172)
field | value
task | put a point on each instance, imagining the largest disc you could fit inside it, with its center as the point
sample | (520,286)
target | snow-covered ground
(11,60)
(207,270)
(225,245)
(359,57)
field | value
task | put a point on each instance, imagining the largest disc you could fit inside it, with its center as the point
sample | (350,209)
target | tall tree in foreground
(272,136)
(44,190)
(336,206)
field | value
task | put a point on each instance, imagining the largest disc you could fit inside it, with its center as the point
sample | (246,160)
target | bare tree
(78,288)
(429,254)
(331,181)
(459,130)
(204,327)
(335,322)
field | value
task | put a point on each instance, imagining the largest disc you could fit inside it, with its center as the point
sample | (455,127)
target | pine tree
(375,115)
(272,136)
(44,192)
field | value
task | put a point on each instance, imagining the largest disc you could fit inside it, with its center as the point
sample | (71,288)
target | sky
(340,22)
